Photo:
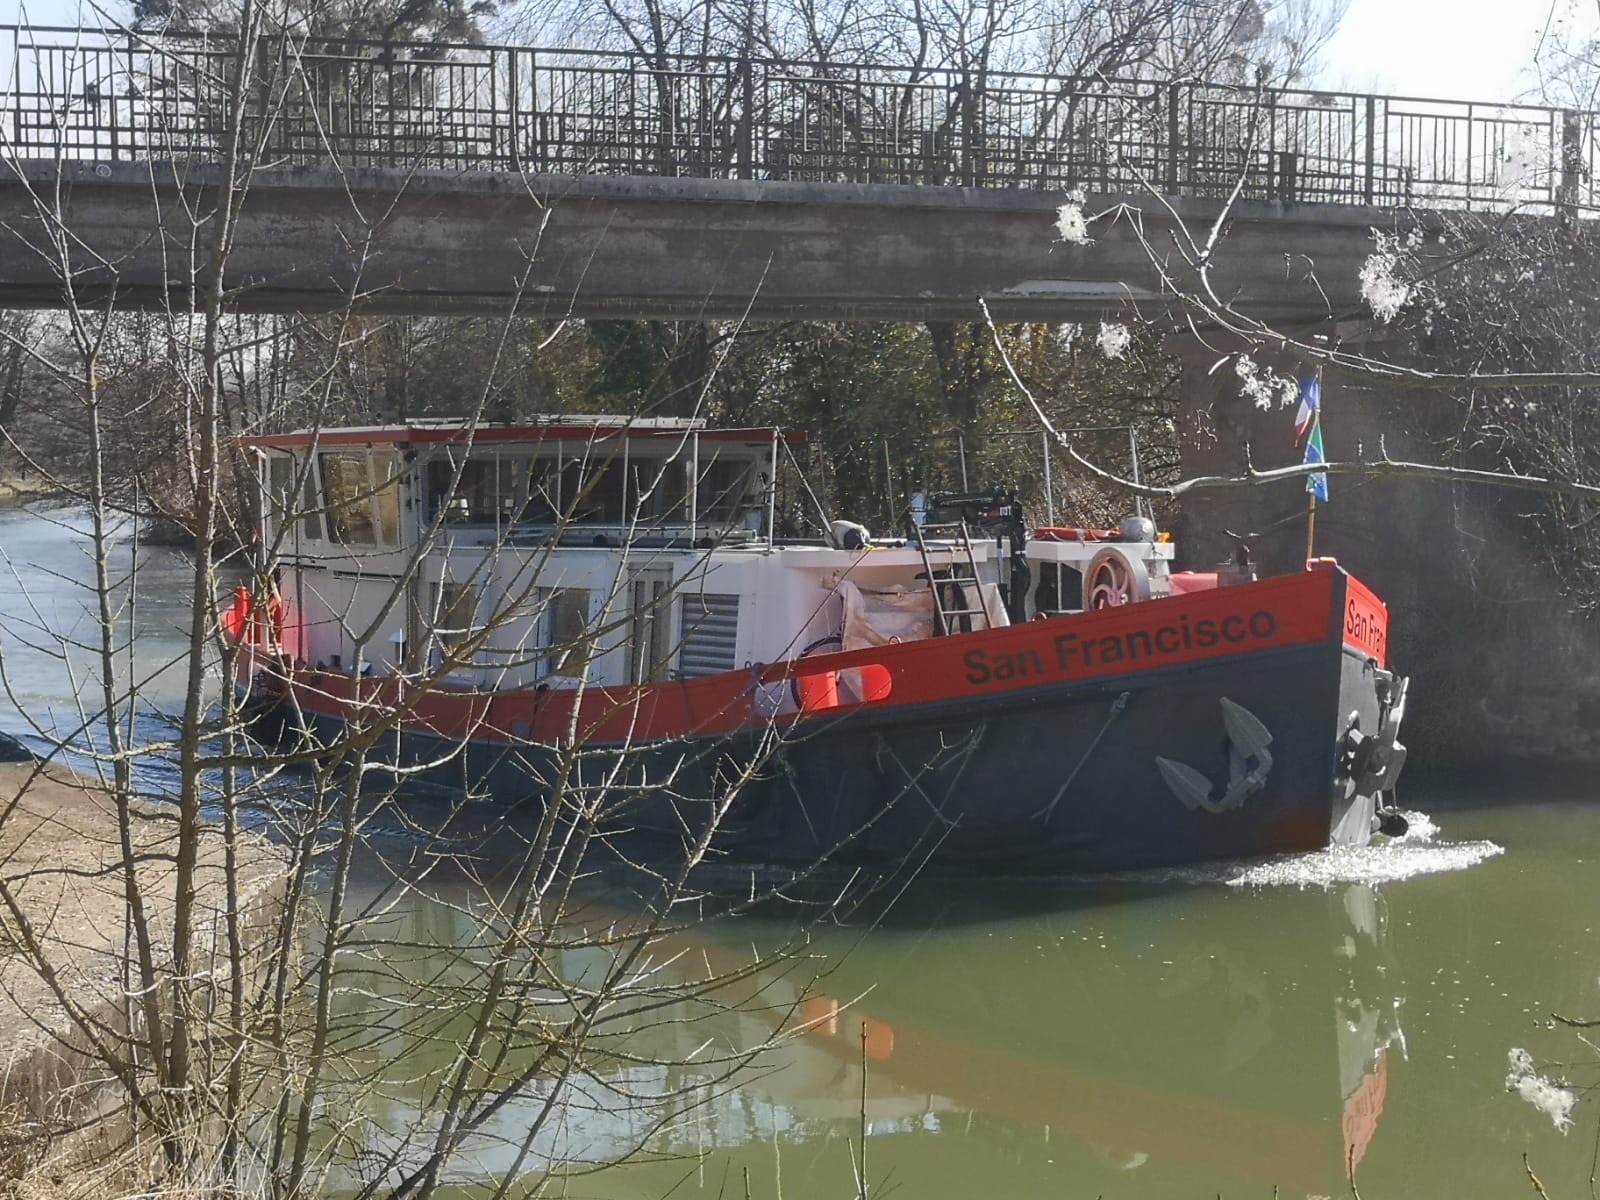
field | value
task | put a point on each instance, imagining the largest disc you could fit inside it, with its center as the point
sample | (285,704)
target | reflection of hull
(1184,1043)
(1190,1057)
(1109,740)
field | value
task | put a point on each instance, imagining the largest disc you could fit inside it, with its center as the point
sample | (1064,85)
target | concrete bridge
(468,178)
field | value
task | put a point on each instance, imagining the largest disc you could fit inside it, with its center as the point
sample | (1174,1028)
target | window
(565,625)
(386,497)
(455,609)
(280,480)
(658,490)
(544,490)
(349,493)
(725,486)
(593,492)
(311,520)
(650,643)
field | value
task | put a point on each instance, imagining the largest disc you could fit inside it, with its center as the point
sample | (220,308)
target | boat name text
(1074,653)
(1366,627)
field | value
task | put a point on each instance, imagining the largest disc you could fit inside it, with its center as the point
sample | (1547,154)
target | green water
(1184,1037)
(1189,1036)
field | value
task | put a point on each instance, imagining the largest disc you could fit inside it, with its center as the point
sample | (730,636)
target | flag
(1310,406)
(1316,484)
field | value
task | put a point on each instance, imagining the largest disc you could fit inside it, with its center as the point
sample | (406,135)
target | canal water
(1248,1030)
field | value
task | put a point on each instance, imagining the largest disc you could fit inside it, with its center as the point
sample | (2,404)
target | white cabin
(607,551)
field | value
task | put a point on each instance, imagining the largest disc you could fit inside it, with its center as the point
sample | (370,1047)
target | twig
(861,1177)
(1532,1178)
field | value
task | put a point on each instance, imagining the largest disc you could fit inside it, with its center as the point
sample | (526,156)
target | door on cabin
(650,625)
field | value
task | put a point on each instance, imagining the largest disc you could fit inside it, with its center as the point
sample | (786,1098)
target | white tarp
(876,618)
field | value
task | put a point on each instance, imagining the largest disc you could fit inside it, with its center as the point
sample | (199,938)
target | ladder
(957,590)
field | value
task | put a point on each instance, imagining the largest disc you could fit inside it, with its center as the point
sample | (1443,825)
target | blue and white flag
(1310,406)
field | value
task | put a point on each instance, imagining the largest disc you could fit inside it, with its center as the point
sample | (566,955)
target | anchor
(1249,762)
(1373,762)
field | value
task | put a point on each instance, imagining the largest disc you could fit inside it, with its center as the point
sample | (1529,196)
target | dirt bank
(61,862)
(16,490)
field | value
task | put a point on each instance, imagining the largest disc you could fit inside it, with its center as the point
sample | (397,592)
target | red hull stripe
(1194,629)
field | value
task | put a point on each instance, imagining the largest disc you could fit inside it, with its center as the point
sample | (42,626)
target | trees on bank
(931,401)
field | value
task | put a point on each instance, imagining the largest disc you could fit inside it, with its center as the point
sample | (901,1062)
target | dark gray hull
(1057,778)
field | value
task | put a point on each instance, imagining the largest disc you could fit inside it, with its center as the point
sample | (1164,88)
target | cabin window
(566,629)
(349,493)
(726,486)
(280,483)
(487,491)
(386,497)
(310,508)
(658,490)
(455,610)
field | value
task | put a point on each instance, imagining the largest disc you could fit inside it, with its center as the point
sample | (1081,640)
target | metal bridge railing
(101,95)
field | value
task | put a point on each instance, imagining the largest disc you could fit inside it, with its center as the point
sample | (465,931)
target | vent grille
(710,634)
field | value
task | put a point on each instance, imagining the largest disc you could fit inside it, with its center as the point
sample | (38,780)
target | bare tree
(253,1051)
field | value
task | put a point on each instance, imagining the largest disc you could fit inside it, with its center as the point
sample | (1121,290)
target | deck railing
(116,95)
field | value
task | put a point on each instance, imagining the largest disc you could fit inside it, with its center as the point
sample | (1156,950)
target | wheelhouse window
(385,470)
(489,490)
(592,491)
(658,490)
(280,483)
(310,508)
(349,495)
(362,497)
(544,490)
(727,491)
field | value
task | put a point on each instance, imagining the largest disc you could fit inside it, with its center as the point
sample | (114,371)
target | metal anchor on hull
(1249,763)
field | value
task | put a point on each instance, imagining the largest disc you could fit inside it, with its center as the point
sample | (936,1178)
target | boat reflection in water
(1170,1043)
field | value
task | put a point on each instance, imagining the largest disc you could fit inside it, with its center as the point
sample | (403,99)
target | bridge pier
(1503,668)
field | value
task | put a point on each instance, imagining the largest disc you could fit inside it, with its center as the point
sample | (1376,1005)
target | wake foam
(1418,852)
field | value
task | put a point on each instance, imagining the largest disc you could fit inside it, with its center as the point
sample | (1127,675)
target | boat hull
(1039,748)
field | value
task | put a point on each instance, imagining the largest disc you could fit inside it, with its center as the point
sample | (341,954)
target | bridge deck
(99,95)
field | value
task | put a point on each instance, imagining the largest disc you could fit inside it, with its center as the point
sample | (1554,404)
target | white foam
(1418,852)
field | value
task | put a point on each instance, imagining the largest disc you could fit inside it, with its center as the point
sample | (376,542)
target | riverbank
(15,489)
(64,933)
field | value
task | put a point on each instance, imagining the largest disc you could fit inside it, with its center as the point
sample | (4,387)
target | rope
(1117,707)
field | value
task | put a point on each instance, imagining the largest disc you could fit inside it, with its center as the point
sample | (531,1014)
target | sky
(1449,49)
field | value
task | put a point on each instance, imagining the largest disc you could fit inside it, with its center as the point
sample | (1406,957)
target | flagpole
(1311,529)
